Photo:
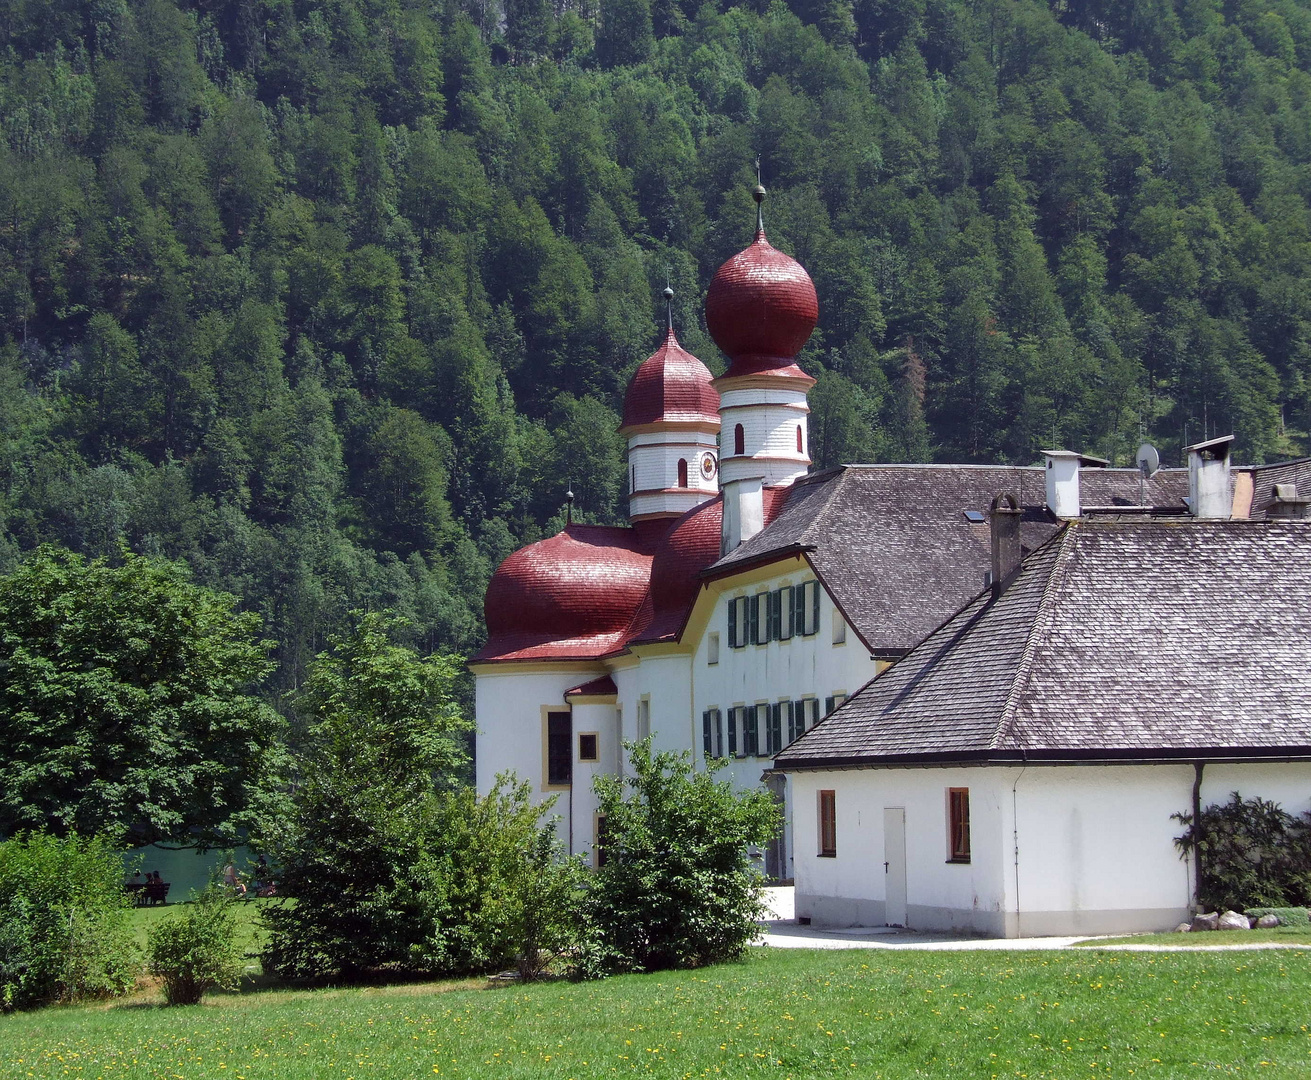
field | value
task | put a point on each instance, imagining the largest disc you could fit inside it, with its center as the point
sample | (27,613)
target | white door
(894,869)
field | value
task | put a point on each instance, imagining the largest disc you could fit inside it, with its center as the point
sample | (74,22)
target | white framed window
(839,628)
(760,612)
(712,649)
(806,608)
(739,621)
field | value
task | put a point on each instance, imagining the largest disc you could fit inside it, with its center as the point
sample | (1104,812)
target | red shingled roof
(761,309)
(601,687)
(671,385)
(591,590)
(572,596)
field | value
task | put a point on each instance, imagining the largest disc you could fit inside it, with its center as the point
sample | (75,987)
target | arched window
(682,472)
(632,478)
(739,440)
(800,448)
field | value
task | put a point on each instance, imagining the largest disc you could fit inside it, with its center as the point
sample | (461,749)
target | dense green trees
(333,301)
(125,693)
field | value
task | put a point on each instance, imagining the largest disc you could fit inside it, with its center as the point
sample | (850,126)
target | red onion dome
(761,307)
(671,385)
(585,582)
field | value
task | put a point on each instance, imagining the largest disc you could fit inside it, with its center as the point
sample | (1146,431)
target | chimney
(1287,505)
(1063,482)
(1005,528)
(1208,479)
(744,513)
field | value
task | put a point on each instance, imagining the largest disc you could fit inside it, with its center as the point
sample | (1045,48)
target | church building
(747,597)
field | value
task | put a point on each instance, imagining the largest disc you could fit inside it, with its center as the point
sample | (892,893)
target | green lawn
(249,934)
(786,1013)
(1280,935)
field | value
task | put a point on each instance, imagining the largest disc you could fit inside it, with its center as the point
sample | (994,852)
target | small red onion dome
(574,594)
(761,307)
(670,385)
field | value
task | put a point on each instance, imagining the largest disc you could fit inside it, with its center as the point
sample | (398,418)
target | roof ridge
(1041,622)
(822,516)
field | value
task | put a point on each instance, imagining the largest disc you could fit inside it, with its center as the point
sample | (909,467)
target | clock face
(708,465)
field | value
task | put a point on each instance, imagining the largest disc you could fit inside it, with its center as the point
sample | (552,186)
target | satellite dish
(1149,461)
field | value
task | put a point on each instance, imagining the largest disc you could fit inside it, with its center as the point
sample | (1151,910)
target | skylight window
(974,517)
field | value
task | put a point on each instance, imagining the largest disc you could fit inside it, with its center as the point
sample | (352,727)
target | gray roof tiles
(1116,639)
(892,544)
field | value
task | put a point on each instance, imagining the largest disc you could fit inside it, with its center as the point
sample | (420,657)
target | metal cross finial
(569,506)
(759,195)
(669,306)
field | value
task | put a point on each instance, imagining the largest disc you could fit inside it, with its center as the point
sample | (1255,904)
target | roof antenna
(758,193)
(569,507)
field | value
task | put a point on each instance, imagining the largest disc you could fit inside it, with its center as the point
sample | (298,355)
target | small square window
(587,746)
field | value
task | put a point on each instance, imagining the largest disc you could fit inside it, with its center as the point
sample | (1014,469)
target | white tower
(671,418)
(761,309)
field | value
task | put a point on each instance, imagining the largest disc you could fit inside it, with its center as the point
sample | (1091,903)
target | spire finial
(669,304)
(758,193)
(569,506)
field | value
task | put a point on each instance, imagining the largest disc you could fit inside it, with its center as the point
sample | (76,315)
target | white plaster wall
(1287,784)
(599,718)
(800,667)
(769,420)
(850,889)
(655,457)
(1096,847)
(1055,850)
(508,713)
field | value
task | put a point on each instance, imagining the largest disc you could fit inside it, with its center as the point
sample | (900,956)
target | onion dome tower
(761,309)
(671,419)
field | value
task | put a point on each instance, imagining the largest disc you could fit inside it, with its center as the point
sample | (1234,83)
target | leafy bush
(1288,916)
(196,951)
(677,889)
(63,921)
(1251,854)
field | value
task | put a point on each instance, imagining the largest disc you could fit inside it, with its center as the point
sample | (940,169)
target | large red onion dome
(571,595)
(670,385)
(761,307)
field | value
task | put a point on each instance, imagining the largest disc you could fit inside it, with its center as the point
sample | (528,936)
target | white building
(1016,773)
(747,596)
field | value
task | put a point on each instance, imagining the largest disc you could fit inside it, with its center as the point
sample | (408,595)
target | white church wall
(1096,848)
(510,707)
(850,888)
(1055,850)
(599,718)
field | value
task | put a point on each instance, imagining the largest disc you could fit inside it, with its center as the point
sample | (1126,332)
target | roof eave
(1072,756)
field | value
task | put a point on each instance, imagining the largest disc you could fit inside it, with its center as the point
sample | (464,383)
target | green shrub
(1288,916)
(677,889)
(195,950)
(63,921)
(1251,854)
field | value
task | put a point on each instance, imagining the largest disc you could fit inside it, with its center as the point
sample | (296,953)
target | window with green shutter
(786,613)
(751,732)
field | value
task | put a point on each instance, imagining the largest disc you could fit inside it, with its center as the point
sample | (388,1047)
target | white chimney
(1062,474)
(1208,478)
(744,512)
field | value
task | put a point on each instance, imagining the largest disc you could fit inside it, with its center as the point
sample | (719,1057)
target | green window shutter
(814,607)
(774,738)
(732,624)
(828,705)
(707,738)
(732,731)
(796,720)
(753,620)
(751,740)
(719,733)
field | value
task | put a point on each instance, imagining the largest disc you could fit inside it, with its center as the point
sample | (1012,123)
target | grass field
(785,1013)
(1280,935)
(249,933)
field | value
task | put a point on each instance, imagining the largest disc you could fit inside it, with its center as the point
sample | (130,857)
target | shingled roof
(1294,474)
(1117,640)
(894,548)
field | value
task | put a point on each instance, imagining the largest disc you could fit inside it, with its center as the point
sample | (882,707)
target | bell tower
(761,309)
(671,419)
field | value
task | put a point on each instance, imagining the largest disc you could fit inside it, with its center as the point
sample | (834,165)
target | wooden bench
(149,892)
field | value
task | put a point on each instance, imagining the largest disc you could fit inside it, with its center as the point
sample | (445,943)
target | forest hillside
(333,299)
